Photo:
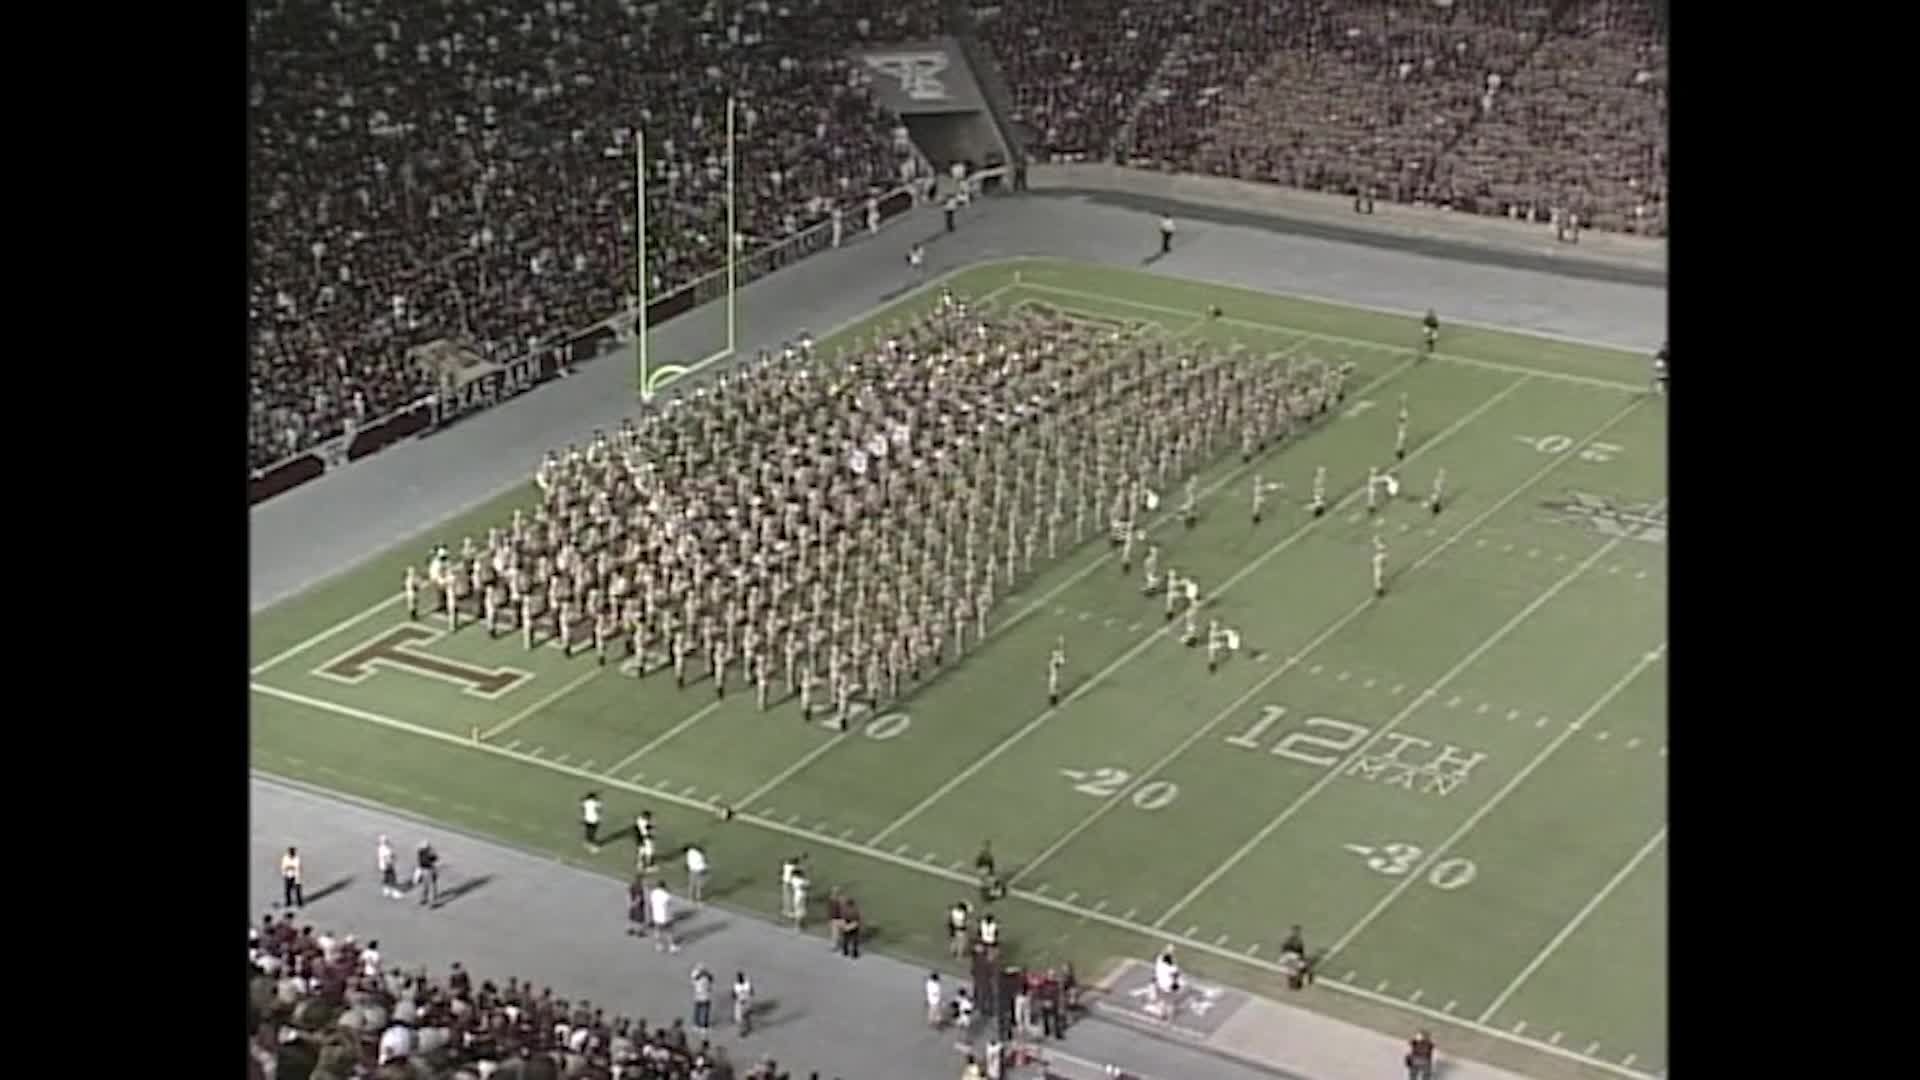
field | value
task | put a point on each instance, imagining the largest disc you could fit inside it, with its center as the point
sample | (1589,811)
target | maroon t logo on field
(390,650)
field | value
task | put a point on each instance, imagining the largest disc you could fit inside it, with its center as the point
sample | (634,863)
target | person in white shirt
(799,898)
(696,874)
(389,871)
(934,998)
(590,819)
(370,960)
(1166,983)
(989,933)
(742,1004)
(292,895)
(788,869)
(395,1042)
(660,903)
(329,945)
(1166,234)
(643,840)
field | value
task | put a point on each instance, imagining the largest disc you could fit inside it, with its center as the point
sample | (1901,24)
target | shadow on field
(320,894)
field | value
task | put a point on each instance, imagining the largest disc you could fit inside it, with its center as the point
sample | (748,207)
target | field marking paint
(844,843)
(1046,598)
(340,627)
(1291,662)
(1465,662)
(1573,924)
(666,736)
(569,687)
(1399,889)
(1146,642)
(1337,339)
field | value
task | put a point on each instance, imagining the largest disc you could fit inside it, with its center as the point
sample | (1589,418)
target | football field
(1457,790)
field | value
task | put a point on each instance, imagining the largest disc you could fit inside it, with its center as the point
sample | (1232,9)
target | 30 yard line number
(1398,860)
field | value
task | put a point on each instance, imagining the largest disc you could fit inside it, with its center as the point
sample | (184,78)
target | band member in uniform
(1373,489)
(1439,485)
(526,620)
(1379,566)
(412,585)
(1431,326)
(1056,661)
(1319,503)
(1400,432)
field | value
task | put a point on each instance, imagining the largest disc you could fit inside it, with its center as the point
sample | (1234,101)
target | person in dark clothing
(1420,1057)
(850,929)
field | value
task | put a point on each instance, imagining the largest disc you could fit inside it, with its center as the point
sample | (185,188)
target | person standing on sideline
(426,874)
(1166,234)
(916,259)
(1420,1057)
(850,929)
(389,872)
(590,820)
(637,906)
(291,894)
(660,908)
(952,204)
(696,874)
(839,224)
(702,999)
(934,999)
(742,1004)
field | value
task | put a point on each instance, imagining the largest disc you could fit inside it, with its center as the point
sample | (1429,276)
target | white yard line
(1148,774)
(1078,576)
(1337,339)
(572,684)
(666,736)
(1148,641)
(1573,924)
(1419,873)
(337,628)
(1333,774)
(900,862)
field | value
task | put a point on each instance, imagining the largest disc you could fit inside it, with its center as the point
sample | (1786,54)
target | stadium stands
(330,1008)
(1497,107)
(464,170)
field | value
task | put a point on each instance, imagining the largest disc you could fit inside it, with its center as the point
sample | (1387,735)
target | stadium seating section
(464,169)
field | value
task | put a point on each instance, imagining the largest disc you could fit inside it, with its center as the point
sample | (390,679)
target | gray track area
(324,527)
(505,913)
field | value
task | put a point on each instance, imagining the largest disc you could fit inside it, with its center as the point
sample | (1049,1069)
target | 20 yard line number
(1107,782)
(886,726)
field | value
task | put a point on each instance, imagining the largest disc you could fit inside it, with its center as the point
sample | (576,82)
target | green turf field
(1459,790)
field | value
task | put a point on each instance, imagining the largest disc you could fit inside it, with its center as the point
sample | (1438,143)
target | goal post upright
(640,259)
(733,234)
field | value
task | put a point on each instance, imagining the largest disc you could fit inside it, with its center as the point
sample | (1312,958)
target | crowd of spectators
(1508,107)
(1077,68)
(465,169)
(325,1007)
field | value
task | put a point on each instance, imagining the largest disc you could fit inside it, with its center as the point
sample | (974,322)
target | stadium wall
(437,412)
(1499,234)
